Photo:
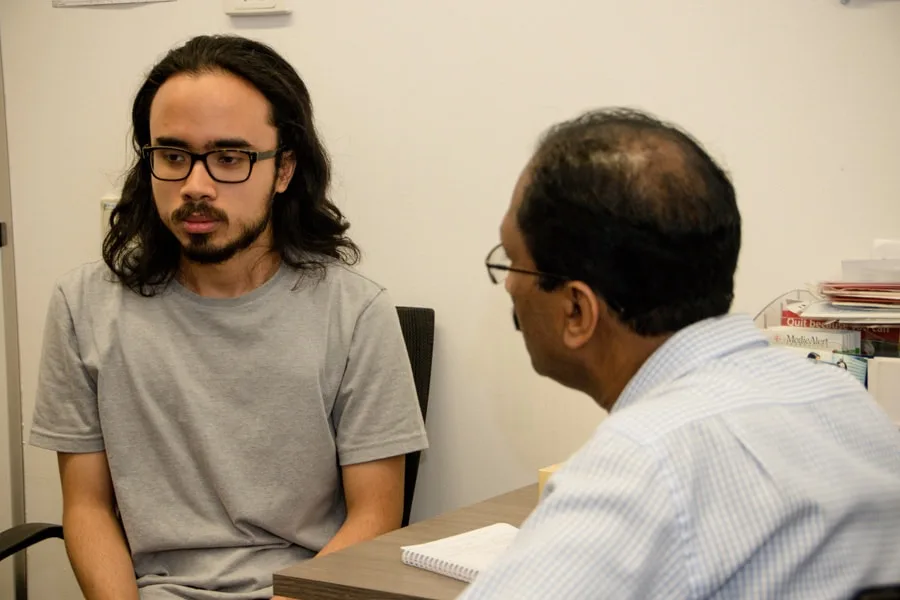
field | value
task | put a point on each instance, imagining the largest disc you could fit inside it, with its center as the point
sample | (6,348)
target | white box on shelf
(882,248)
(884,385)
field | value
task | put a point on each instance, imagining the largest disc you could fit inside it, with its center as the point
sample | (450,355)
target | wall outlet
(245,8)
(107,204)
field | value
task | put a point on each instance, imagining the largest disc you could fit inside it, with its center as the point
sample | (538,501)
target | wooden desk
(372,570)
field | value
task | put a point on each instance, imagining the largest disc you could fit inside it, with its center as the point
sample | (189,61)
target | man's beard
(201,251)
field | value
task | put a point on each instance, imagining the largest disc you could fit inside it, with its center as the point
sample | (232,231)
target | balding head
(635,208)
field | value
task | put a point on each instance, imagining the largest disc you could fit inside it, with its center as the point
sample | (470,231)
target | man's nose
(199,184)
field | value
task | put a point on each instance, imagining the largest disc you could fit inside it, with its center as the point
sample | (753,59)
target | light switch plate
(247,8)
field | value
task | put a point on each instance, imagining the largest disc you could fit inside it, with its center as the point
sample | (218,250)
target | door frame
(10,315)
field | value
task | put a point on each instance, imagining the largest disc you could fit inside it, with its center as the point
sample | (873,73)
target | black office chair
(20,537)
(418,333)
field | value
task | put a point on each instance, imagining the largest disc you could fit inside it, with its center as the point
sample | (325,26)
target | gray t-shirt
(226,421)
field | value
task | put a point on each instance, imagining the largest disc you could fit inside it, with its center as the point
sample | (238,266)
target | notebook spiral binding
(436,565)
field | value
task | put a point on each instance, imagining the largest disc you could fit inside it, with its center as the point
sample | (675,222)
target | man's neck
(243,273)
(618,363)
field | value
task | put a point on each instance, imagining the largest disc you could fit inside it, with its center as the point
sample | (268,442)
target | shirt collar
(688,350)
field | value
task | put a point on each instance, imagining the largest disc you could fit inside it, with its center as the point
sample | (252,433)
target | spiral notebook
(461,556)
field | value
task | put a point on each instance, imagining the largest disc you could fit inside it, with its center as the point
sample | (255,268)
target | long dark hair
(308,229)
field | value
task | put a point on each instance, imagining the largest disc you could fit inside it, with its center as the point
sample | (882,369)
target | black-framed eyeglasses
(225,165)
(499,266)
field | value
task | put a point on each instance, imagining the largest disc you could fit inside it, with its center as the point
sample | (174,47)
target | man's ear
(285,171)
(582,314)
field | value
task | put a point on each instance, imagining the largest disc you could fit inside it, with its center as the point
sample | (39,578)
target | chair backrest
(885,592)
(418,333)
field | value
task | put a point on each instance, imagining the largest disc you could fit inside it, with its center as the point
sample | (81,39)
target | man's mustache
(201,209)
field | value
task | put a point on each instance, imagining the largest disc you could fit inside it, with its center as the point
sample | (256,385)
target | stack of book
(853,323)
(868,293)
(878,336)
(838,347)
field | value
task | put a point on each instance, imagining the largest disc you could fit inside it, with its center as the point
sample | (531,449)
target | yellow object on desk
(544,475)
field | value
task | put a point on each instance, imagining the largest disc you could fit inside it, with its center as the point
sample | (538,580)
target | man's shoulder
(670,407)
(87,279)
(342,286)
(351,278)
(730,390)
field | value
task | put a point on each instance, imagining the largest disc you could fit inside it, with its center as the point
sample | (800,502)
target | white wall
(430,109)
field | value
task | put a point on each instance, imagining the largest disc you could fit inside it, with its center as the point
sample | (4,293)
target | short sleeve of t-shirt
(376,412)
(65,412)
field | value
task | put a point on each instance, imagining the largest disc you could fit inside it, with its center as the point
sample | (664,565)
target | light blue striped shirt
(727,469)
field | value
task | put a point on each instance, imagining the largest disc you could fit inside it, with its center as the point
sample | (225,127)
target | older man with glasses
(726,468)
